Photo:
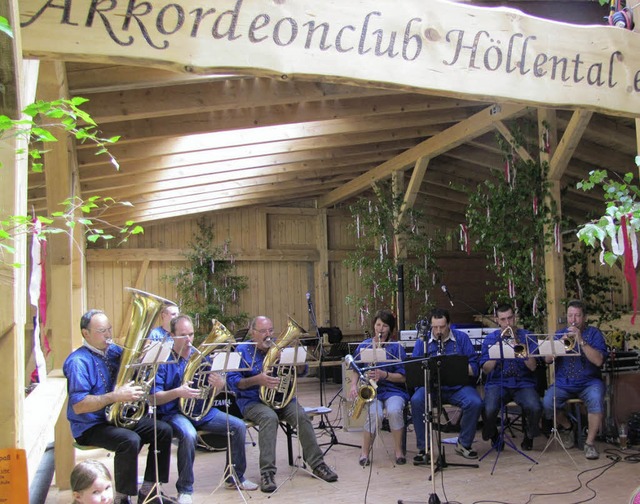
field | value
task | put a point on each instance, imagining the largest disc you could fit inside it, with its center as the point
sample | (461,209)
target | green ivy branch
(35,128)
(510,220)
(374,224)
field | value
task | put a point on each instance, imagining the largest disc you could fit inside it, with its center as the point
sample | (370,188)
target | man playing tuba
(247,385)
(169,389)
(91,375)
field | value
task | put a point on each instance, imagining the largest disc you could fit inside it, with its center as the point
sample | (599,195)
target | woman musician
(391,393)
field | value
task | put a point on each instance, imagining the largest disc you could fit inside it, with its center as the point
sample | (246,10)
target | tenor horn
(280,396)
(197,376)
(145,309)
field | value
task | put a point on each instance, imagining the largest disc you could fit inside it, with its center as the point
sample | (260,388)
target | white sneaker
(246,485)
(184,498)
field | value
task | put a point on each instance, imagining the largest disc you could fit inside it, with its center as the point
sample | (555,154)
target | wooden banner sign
(14,482)
(436,46)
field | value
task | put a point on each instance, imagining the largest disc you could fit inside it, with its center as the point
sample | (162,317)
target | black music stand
(449,371)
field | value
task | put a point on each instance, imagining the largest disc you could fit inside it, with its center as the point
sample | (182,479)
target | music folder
(453,370)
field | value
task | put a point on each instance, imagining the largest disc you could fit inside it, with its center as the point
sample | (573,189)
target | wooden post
(554,268)
(13,201)
(65,259)
(323,313)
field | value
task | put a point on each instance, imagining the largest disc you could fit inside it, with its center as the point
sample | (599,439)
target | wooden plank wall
(276,249)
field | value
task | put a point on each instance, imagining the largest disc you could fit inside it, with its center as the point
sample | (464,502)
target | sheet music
(226,361)
(374,355)
(160,349)
(293,356)
(507,351)
(555,348)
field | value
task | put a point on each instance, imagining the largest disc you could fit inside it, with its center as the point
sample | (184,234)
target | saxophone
(145,309)
(279,397)
(197,372)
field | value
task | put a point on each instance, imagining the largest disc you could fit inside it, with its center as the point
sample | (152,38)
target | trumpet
(570,340)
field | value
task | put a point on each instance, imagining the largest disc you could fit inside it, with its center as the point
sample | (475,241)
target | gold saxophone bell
(366,394)
(196,375)
(145,309)
(280,396)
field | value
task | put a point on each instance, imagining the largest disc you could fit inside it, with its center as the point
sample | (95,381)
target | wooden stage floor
(515,480)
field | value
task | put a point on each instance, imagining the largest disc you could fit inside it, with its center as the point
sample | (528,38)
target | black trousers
(127,443)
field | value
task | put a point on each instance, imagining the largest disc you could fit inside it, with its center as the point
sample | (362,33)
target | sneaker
(527,444)
(324,472)
(567,437)
(467,453)
(268,483)
(422,458)
(185,498)
(591,452)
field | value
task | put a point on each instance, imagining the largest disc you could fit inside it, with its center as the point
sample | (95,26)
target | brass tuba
(197,372)
(280,396)
(145,309)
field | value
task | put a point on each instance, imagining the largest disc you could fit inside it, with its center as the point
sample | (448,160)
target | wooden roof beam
(569,142)
(455,135)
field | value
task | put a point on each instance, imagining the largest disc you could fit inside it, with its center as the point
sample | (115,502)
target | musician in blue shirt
(578,376)
(446,341)
(169,389)
(91,372)
(510,379)
(391,392)
(247,383)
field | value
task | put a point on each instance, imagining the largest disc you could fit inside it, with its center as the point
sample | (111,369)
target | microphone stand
(326,426)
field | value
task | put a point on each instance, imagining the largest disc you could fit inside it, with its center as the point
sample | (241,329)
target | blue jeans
(592,395)
(185,431)
(527,398)
(465,398)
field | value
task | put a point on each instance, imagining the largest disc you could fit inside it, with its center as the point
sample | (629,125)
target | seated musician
(391,392)
(91,372)
(169,389)
(511,379)
(446,341)
(578,376)
(246,384)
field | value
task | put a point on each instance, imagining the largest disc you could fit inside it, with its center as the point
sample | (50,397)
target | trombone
(510,338)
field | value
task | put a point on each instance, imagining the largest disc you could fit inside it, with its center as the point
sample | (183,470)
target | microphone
(446,291)
(348,360)
(309,301)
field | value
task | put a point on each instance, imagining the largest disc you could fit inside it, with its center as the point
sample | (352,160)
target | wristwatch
(583,343)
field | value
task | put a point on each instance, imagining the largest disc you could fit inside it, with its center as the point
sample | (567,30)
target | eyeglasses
(265,331)
(104,330)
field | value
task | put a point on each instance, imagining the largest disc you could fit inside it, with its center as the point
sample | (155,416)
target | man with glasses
(246,385)
(91,373)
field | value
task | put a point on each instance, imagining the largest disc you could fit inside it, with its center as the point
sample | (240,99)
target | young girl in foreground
(91,483)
